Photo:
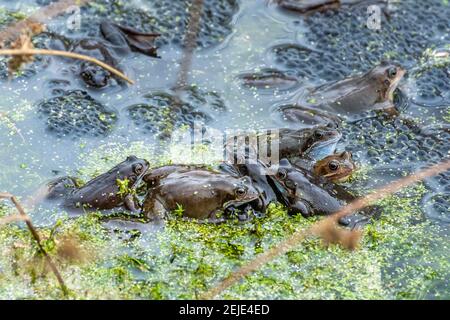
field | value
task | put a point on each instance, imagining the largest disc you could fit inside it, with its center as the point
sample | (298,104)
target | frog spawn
(163,112)
(394,142)
(342,43)
(432,87)
(215,22)
(169,18)
(395,147)
(75,114)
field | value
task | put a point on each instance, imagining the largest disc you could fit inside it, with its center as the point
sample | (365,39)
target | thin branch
(21,52)
(190,42)
(37,239)
(300,235)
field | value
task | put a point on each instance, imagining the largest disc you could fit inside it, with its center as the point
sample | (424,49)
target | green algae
(402,256)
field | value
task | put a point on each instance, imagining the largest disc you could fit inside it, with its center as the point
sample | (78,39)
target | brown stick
(37,238)
(20,52)
(190,42)
(300,235)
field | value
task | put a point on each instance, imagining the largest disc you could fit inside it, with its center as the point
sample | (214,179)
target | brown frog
(119,40)
(312,143)
(353,96)
(127,39)
(311,6)
(268,78)
(103,192)
(300,195)
(307,6)
(198,193)
(333,168)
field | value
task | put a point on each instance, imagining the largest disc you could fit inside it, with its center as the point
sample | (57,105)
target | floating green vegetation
(402,256)
(7,17)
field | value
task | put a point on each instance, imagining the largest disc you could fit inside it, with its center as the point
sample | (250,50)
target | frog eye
(241,191)
(318,134)
(282,174)
(290,184)
(392,72)
(138,168)
(333,165)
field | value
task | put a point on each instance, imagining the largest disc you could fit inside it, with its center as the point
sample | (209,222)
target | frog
(334,168)
(350,98)
(257,171)
(312,143)
(300,195)
(328,174)
(304,116)
(199,194)
(268,78)
(105,191)
(307,7)
(126,39)
(154,176)
(91,74)
(118,41)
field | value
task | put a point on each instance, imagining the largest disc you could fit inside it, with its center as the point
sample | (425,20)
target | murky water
(31,154)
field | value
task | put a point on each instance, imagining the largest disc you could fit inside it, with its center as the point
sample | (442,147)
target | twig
(20,52)
(37,239)
(300,235)
(190,42)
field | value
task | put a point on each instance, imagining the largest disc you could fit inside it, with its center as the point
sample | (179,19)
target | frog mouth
(238,203)
(342,177)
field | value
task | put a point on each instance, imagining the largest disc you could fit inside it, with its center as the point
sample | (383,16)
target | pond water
(236,37)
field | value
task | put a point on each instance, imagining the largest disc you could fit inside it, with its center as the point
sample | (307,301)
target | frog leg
(61,187)
(361,218)
(387,107)
(130,203)
(215,217)
(228,168)
(354,221)
(153,209)
(299,207)
(137,41)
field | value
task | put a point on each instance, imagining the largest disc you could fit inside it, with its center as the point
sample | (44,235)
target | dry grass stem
(37,239)
(25,52)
